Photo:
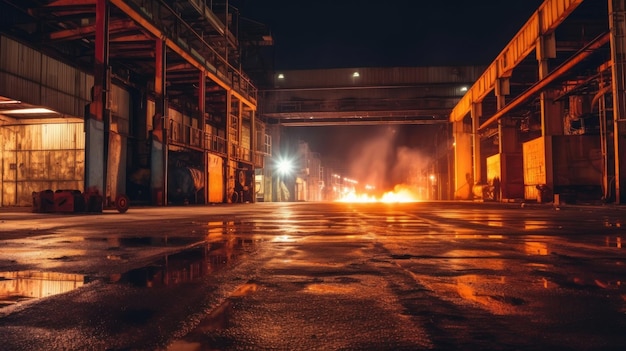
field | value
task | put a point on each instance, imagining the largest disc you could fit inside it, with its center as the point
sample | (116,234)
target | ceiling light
(27,111)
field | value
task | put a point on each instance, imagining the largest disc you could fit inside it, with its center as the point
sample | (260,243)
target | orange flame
(400,193)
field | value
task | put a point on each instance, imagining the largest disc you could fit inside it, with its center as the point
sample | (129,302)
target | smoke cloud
(378,161)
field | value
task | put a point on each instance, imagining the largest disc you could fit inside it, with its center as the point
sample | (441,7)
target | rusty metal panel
(116,171)
(577,160)
(215,170)
(493,167)
(120,102)
(534,166)
(40,157)
(120,110)
(246,140)
(512,180)
(61,136)
(50,136)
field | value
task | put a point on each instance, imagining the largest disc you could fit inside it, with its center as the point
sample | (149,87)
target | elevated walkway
(366,96)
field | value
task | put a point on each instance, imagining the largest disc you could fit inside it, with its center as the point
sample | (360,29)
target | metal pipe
(562,69)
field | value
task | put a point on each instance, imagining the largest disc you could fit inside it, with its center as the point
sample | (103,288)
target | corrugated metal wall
(40,157)
(31,77)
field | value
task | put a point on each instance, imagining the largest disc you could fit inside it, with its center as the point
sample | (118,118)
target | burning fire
(400,193)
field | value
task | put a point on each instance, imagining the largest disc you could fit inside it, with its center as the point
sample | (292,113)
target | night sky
(363,33)
(398,33)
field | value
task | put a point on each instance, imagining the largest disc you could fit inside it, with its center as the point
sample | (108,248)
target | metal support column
(97,118)
(228,178)
(201,125)
(551,119)
(508,146)
(617,25)
(253,154)
(159,154)
(463,180)
(476,113)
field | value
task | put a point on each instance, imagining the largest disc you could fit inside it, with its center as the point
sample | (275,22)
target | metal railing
(193,137)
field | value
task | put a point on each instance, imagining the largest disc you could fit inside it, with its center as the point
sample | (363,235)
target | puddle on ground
(18,286)
(156,241)
(178,267)
(187,265)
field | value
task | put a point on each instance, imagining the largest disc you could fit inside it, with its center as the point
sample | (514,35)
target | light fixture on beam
(28,111)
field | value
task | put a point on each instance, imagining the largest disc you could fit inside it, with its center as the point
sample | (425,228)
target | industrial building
(158,101)
(140,99)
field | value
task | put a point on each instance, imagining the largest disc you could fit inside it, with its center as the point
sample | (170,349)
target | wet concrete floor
(315,276)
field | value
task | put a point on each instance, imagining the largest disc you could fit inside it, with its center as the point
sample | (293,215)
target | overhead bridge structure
(365,96)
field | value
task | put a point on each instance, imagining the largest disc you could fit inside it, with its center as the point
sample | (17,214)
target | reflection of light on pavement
(535,224)
(468,287)
(464,259)
(494,221)
(245,289)
(215,229)
(536,248)
(478,236)
(617,224)
(616,244)
(283,239)
(330,289)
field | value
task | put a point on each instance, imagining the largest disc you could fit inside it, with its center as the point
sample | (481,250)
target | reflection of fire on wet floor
(217,319)
(185,266)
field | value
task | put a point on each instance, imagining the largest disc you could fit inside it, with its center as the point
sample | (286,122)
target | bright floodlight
(285,166)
